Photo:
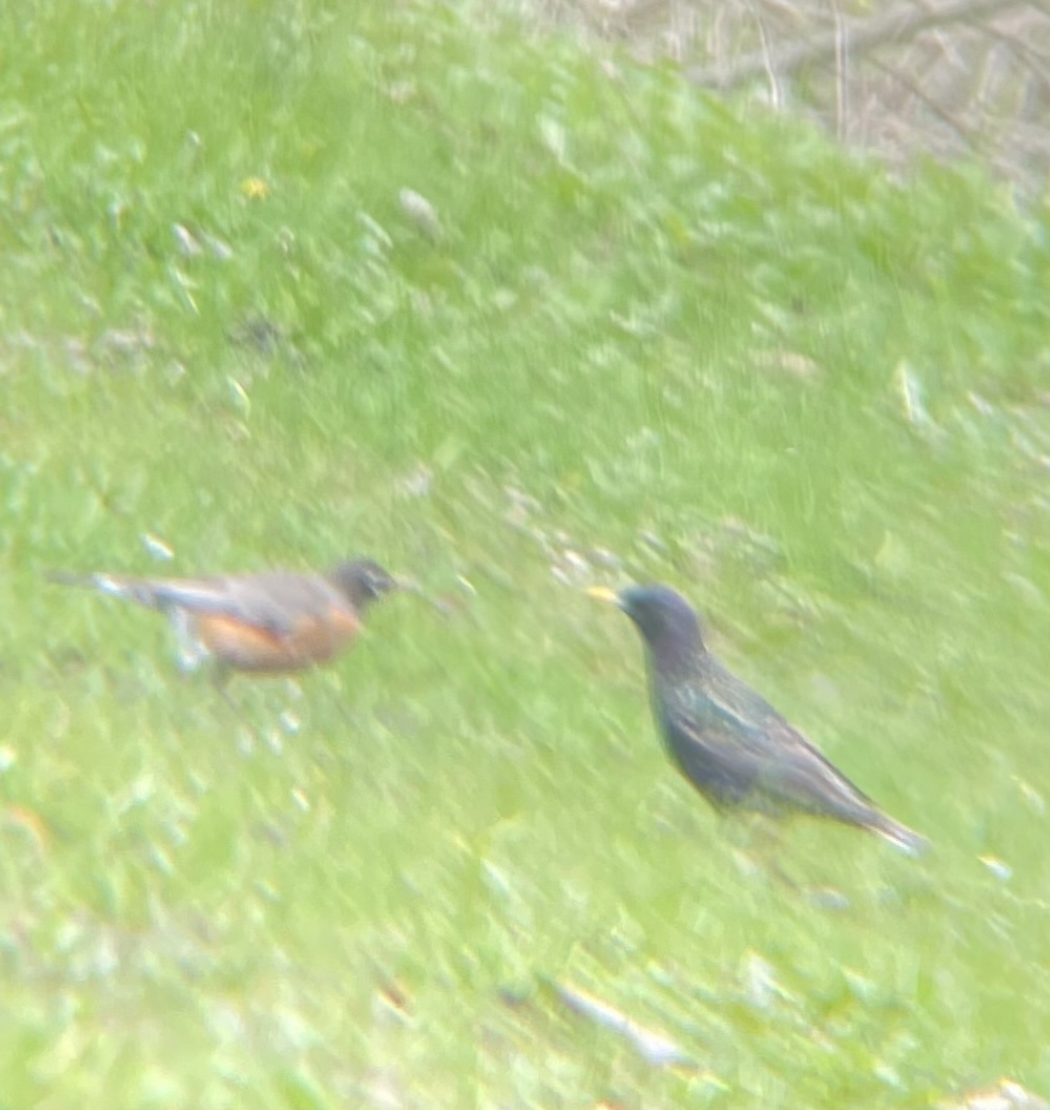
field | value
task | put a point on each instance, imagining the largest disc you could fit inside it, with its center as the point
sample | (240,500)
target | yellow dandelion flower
(255,188)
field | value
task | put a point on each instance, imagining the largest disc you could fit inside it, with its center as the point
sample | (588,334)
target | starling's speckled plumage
(731,744)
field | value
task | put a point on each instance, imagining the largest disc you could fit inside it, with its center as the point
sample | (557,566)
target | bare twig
(1036,61)
(842,45)
(863,35)
(776,92)
(654,1048)
(915,88)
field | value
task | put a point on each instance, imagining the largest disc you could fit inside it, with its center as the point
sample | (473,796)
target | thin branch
(842,45)
(863,36)
(1036,60)
(775,92)
(915,88)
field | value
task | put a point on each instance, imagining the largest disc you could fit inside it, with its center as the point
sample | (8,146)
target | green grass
(656,338)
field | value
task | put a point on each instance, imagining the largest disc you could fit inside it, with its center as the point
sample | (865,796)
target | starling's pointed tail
(900,836)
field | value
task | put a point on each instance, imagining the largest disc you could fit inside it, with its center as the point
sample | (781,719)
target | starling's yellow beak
(603,593)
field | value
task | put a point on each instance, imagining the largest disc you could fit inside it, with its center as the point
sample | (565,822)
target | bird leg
(756,845)
(759,838)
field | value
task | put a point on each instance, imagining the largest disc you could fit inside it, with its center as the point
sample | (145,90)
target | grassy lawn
(636,335)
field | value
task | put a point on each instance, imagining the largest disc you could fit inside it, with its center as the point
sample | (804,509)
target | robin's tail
(900,836)
(133,589)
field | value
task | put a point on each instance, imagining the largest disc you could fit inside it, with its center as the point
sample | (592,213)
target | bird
(271,622)
(727,741)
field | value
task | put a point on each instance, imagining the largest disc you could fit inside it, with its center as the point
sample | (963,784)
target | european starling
(730,743)
(269,623)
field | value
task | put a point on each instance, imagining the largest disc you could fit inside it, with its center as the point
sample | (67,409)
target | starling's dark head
(662,615)
(665,619)
(362,582)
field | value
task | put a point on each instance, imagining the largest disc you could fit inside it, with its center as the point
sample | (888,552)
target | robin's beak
(603,593)
(407,585)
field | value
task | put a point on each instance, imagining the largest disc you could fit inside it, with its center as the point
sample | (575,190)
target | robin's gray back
(274,600)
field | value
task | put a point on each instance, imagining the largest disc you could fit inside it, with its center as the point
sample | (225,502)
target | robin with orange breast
(273,622)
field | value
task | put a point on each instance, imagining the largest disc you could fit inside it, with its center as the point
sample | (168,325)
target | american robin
(274,622)
(732,745)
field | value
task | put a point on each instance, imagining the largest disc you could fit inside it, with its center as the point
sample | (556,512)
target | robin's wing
(278,602)
(730,734)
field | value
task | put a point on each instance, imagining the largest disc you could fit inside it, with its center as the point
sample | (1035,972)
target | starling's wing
(709,754)
(746,753)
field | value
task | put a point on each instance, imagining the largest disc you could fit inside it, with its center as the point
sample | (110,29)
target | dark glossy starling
(730,743)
